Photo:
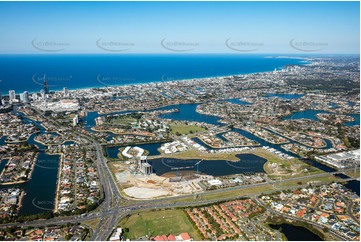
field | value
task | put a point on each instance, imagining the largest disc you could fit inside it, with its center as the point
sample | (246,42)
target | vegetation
(286,167)
(93,223)
(155,223)
(194,154)
(184,129)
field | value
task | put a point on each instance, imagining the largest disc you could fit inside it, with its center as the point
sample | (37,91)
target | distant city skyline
(180,27)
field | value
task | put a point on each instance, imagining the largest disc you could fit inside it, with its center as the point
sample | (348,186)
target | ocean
(27,72)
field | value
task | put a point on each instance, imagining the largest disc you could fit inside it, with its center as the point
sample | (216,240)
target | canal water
(112,152)
(285,95)
(307,114)
(237,101)
(354,186)
(311,114)
(248,163)
(41,188)
(187,112)
(3,164)
(296,233)
(355,122)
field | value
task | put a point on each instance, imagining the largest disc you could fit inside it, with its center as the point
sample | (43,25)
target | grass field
(155,223)
(185,129)
(194,154)
(92,223)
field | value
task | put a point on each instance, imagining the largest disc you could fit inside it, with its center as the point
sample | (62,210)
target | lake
(296,233)
(248,164)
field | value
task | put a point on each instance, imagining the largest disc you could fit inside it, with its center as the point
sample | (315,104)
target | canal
(40,190)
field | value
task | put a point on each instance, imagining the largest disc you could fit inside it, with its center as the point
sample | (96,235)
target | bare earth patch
(144,193)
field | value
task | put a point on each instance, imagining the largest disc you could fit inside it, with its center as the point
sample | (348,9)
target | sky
(179,27)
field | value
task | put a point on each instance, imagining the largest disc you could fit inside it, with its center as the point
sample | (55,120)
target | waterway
(307,114)
(248,164)
(311,114)
(237,101)
(354,186)
(355,122)
(3,164)
(152,148)
(296,233)
(187,112)
(41,188)
(285,95)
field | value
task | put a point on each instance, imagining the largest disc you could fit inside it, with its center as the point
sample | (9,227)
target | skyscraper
(12,95)
(66,92)
(24,97)
(35,96)
(42,94)
(46,86)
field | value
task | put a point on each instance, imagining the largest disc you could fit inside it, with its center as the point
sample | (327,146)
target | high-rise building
(75,120)
(24,97)
(66,92)
(144,166)
(12,95)
(35,97)
(42,93)
(46,86)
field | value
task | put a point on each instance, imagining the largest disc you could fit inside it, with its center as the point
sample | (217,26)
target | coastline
(301,61)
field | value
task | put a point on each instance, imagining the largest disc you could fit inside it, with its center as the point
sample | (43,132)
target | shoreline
(58,184)
(20,201)
(302,61)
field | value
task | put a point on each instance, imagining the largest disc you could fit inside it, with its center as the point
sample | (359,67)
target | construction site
(136,178)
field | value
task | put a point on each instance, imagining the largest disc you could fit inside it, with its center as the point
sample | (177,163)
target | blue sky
(182,27)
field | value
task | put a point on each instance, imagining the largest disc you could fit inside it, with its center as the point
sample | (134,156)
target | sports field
(155,223)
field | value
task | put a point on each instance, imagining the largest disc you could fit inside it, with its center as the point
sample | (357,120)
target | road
(111,212)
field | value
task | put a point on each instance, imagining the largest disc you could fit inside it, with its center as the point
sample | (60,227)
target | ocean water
(27,72)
